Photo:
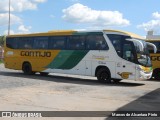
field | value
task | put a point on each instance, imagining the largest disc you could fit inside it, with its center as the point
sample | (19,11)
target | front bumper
(144,76)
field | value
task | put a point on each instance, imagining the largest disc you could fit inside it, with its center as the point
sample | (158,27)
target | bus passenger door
(125,69)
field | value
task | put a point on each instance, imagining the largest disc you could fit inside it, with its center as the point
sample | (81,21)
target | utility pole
(9,21)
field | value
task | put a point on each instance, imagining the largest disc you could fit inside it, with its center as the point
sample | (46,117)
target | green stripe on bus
(74,59)
(60,59)
(67,59)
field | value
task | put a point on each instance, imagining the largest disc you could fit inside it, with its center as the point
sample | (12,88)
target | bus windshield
(142,52)
(131,49)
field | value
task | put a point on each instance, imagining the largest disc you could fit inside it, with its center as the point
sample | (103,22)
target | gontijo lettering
(35,54)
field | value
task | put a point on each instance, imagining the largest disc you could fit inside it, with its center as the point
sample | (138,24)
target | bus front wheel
(27,69)
(103,75)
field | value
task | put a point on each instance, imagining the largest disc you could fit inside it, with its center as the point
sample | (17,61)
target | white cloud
(156,15)
(4,5)
(4,19)
(24,29)
(19,5)
(152,24)
(11,32)
(22,5)
(21,30)
(39,1)
(79,13)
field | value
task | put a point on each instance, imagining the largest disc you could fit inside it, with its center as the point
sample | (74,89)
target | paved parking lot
(55,92)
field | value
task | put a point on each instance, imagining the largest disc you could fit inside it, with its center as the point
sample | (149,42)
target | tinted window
(19,43)
(128,51)
(117,41)
(151,50)
(125,49)
(76,43)
(41,43)
(57,42)
(11,43)
(25,43)
(96,42)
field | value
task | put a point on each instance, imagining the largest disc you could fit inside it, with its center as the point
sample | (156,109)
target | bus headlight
(144,69)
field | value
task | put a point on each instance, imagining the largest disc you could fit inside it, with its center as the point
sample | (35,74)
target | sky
(30,16)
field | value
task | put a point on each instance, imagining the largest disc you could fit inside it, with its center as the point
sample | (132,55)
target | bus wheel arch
(156,74)
(27,68)
(103,74)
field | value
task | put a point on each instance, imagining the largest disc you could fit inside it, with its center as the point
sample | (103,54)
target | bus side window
(128,52)
(57,42)
(101,43)
(96,42)
(41,43)
(25,43)
(117,42)
(10,43)
(90,42)
(76,42)
(51,43)
(117,45)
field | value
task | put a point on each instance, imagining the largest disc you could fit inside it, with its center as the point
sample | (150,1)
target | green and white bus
(106,54)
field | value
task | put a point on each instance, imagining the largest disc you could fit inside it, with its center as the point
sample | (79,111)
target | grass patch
(1,61)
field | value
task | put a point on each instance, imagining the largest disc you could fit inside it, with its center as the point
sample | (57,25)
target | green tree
(2,39)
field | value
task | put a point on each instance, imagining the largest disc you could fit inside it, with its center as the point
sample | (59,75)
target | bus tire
(156,74)
(44,73)
(103,75)
(27,69)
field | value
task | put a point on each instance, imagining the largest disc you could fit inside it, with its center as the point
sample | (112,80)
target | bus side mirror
(141,46)
(152,45)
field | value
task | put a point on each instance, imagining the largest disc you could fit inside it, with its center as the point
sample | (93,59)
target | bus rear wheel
(103,75)
(27,69)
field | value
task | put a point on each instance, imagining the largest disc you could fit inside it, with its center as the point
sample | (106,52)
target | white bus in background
(106,54)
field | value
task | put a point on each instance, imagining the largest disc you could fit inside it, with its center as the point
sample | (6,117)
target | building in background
(151,36)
